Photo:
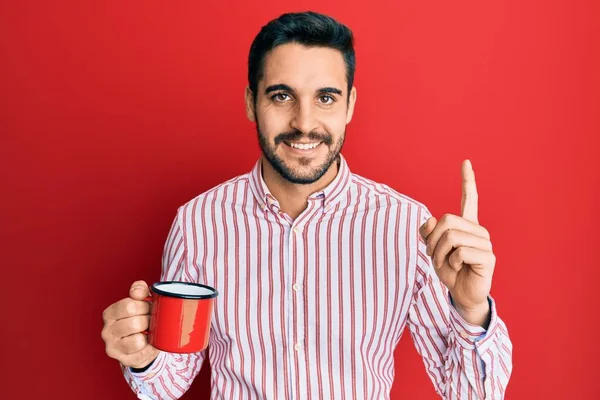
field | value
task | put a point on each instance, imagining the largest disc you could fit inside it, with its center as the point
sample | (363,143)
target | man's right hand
(124,322)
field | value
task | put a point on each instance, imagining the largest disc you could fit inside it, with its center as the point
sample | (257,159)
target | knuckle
(105,315)
(111,352)
(446,218)
(130,307)
(450,236)
(105,335)
(486,233)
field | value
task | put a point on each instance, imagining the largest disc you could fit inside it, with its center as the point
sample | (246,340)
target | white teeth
(303,146)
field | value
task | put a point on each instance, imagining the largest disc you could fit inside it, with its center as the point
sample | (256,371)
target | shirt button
(296,229)
(296,287)
(464,334)
(297,347)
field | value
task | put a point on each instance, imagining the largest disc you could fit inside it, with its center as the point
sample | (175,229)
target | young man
(318,269)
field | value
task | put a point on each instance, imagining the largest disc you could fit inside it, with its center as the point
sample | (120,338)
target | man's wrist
(478,315)
(142,369)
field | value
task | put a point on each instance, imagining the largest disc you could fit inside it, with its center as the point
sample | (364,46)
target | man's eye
(326,99)
(281,97)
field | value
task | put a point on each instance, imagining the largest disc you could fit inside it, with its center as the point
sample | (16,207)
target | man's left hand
(462,254)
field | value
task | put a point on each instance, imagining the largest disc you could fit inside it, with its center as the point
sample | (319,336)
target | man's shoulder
(384,193)
(219,191)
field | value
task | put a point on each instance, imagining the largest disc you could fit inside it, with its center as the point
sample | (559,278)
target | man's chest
(307,284)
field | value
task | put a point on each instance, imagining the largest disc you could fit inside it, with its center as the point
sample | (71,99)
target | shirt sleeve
(171,375)
(463,360)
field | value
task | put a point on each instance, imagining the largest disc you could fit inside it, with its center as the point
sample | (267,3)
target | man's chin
(303,170)
(304,175)
(301,180)
(303,165)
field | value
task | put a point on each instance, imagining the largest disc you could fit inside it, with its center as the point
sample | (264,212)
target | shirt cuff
(471,336)
(151,373)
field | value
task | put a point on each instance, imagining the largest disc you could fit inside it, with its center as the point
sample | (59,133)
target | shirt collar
(330,195)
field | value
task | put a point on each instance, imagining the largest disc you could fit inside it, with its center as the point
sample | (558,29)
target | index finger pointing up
(468,204)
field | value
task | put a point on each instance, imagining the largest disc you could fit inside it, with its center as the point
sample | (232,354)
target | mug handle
(149,300)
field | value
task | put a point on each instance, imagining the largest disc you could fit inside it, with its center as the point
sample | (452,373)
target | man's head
(300,93)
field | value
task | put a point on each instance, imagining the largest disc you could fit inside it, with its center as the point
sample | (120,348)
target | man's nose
(304,118)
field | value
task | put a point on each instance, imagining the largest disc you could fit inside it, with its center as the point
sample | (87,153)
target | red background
(113,114)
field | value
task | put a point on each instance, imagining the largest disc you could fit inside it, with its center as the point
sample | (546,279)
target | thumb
(139,290)
(428,227)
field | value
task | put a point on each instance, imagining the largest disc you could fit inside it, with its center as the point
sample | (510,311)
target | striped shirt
(313,308)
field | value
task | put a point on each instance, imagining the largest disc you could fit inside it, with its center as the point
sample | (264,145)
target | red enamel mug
(181,314)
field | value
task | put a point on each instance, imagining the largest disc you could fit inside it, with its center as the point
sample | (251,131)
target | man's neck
(292,197)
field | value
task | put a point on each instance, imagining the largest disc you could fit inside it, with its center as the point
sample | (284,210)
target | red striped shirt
(313,308)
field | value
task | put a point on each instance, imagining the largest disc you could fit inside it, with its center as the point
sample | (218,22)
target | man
(319,270)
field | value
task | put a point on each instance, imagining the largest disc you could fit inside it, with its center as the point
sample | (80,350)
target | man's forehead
(302,67)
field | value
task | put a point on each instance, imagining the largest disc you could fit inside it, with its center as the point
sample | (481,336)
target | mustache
(297,135)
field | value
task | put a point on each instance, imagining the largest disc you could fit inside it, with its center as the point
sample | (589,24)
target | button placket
(289,277)
(297,238)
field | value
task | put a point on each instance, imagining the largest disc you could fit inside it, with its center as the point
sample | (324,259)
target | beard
(290,174)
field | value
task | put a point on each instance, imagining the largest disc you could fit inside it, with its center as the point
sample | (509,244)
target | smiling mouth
(303,146)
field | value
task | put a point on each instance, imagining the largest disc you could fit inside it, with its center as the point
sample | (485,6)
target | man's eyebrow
(279,86)
(283,86)
(330,90)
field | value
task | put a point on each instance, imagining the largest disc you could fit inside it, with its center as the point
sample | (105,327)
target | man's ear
(351,104)
(250,105)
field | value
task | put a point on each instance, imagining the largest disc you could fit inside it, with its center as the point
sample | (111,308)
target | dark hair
(306,28)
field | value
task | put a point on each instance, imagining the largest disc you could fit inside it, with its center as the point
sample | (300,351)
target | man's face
(301,110)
